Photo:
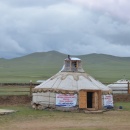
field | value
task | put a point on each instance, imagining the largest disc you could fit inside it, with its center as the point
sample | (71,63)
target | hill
(42,65)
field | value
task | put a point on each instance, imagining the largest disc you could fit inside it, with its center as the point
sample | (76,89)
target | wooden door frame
(83,99)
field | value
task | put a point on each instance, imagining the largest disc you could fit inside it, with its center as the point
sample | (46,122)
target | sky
(74,27)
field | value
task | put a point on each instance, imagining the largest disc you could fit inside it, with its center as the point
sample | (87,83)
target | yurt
(71,89)
(120,86)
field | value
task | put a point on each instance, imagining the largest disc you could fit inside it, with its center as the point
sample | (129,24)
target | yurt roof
(120,83)
(73,58)
(72,81)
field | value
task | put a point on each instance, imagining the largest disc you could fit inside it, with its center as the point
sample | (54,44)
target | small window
(74,64)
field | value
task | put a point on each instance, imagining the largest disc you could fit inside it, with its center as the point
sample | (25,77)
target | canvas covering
(72,82)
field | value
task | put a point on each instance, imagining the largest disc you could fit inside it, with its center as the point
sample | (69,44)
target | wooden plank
(93,100)
(96,100)
(99,100)
(82,99)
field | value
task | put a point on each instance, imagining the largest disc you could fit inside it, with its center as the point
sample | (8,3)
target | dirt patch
(13,100)
(121,97)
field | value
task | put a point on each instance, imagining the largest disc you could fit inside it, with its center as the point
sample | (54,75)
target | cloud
(119,8)
(31,3)
(71,27)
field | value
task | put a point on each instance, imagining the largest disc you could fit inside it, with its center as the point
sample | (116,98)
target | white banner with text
(66,100)
(107,100)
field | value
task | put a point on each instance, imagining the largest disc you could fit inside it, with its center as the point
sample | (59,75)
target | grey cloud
(118,8)
(31,3)
(60,26)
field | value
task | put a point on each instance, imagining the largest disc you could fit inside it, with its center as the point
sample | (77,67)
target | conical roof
(71,78)
(71,81)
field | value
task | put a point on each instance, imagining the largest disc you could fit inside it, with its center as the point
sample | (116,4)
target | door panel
(82,99)
(95,100)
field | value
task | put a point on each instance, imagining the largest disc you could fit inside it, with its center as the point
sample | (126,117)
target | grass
(125,105)
(30,119)
(23,113)
(39,66)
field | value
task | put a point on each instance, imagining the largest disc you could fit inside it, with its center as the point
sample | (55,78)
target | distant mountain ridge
(59,53)
(42,65)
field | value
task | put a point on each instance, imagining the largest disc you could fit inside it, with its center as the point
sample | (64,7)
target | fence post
(30,87)
(128,87)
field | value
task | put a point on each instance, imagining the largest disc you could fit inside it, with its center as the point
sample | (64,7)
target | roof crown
(72,64)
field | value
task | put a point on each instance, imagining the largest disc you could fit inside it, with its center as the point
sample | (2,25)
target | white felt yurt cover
(120,86)
(72,81)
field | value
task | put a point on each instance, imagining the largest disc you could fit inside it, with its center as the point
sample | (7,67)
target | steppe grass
(30,119)
(41,66)
(23,113)
(125,105)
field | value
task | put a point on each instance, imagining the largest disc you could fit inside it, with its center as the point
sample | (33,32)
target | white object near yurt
(70,88)
(120,86)
(40,81)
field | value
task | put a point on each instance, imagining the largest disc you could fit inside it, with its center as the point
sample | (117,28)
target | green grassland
(42,65)
(30,119)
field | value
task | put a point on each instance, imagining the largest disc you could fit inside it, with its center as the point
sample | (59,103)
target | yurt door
(89,99)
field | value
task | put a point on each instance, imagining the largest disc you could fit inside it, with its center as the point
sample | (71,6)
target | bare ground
(112,120)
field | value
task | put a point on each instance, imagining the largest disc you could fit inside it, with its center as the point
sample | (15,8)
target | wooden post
(30,87)
(99,99)
(128,87)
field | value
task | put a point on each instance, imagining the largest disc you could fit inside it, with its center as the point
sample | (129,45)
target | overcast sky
(74,27)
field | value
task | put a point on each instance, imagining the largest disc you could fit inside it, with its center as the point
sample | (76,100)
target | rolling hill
(42,65)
